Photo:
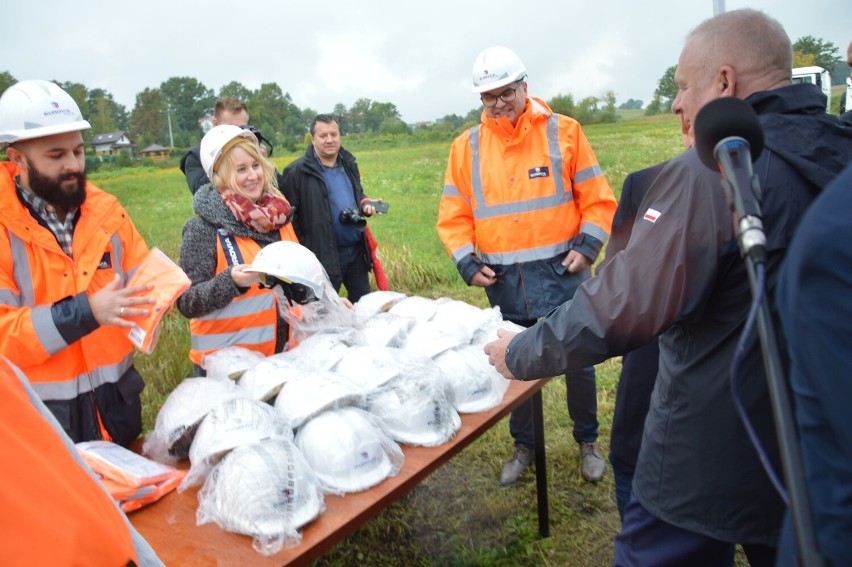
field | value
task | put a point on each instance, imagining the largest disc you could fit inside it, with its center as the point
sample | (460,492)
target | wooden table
(169,525)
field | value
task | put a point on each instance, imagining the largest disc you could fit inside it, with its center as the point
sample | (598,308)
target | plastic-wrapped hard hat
(264,380)
(34,109)
(376,302)
(324,349)
(230,425)
(420,308)
(477,385)
(415,411)
(496,67)
(266,490)
(182,412)
(462,319)
(430,339)
(313,392)
(488,331)
(386,330)
(348,450)
(230,363)
(290,263)
(372,366)
(215,140)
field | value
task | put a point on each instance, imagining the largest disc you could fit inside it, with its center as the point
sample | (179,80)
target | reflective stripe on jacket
(46,490)
(37,277)
(250,320)
(526,194)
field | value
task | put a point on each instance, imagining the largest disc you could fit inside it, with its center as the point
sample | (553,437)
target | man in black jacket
(699,486)
(228,110)
(324,187)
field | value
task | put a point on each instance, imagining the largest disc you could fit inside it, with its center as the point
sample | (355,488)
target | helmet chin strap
(296,293)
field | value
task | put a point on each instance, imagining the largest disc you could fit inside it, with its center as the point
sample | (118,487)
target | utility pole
(169,115)
(718,7)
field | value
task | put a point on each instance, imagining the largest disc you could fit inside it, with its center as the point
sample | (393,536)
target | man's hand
(110,305)
(496,351)
(575,262)
(484,277)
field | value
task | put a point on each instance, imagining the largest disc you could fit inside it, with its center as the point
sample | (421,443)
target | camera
(260,138)
(353,216)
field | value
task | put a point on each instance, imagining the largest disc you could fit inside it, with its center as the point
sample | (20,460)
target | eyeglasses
(509,95)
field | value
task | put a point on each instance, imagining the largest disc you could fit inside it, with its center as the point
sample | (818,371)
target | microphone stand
(748,227)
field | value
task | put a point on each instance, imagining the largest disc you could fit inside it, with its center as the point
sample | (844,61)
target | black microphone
(728,137)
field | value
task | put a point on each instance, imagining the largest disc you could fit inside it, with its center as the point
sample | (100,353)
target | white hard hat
(477,386)
(182,412)
(496,67)
(266,490)
(216,139)
(314,392)
(235,423)
(348,450)
(415,411)
(34,109)
(291,263)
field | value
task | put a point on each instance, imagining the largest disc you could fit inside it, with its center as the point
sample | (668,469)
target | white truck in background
(815,76)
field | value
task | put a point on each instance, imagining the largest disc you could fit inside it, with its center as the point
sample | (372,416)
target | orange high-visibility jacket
(66,360)
(250,320)
(518,199)
(54,512)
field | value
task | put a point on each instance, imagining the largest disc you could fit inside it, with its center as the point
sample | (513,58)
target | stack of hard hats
(415,410)
(265,490)
(265,379)
(348,450)
(229,363)
(235,423)
(314,392)
(181,414)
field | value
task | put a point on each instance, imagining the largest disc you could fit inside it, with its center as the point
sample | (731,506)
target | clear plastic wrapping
(266,491)
(348,450)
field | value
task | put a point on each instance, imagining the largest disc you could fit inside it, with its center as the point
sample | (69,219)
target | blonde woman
(237,214)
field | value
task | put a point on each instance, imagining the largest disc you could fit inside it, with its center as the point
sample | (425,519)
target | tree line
(169,114)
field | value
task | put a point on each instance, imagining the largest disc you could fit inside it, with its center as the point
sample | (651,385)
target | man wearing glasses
(524,213)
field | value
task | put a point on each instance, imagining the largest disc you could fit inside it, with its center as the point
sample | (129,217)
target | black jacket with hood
(681,275)
(304,187)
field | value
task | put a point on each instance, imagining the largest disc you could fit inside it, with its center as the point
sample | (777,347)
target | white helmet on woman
(496,67)
(34,109)
(292,266)
(215,140)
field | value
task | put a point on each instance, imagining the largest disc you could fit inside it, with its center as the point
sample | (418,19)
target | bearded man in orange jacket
(67,249)
(525,212)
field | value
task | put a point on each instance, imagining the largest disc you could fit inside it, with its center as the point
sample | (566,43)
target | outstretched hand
(111,304)
(496,351)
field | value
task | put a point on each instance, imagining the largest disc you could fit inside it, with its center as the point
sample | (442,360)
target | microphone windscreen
(724,118)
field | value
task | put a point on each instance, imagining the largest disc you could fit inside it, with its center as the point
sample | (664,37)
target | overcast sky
(416,55)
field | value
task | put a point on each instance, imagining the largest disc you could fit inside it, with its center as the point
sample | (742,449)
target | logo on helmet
(54,104)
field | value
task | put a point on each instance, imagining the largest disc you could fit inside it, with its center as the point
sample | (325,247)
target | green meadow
(460,515)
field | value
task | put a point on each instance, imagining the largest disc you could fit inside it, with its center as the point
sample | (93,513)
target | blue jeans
(355,275)
(647,540)
(623,475)
(582,409)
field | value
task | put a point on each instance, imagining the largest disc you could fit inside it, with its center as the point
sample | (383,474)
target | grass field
(460,515)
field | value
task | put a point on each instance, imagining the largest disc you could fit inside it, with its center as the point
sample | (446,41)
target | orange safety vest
(35,273)
(250,320)
(54,512)
(523,194)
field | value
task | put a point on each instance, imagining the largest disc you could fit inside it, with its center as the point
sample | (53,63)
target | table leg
(540,466)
